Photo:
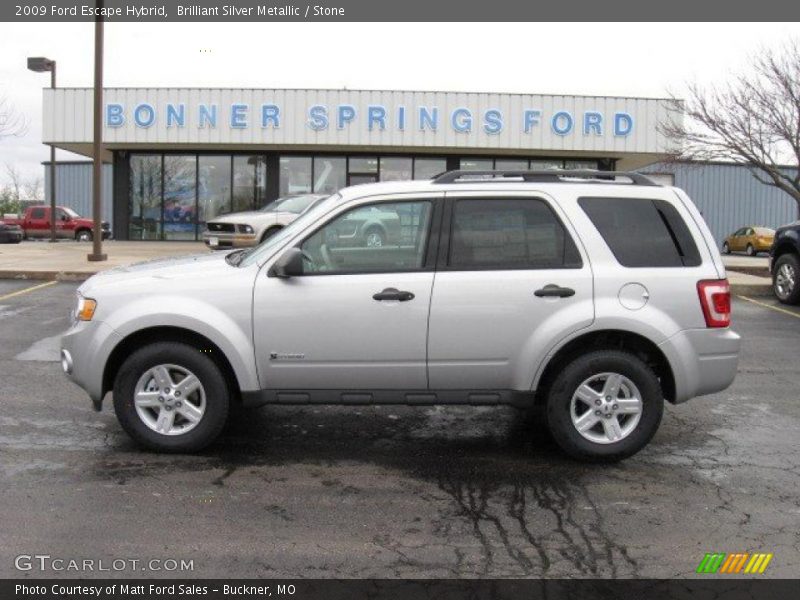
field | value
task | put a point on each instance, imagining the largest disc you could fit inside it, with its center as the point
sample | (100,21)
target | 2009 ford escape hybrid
(596,295)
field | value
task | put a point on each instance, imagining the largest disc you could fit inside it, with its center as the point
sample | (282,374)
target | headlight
(245,229)
(85,309)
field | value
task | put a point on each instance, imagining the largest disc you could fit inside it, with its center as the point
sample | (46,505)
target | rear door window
(37,213)
(508,233)
(643,232)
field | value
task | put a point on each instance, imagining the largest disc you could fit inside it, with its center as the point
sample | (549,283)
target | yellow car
(751,240)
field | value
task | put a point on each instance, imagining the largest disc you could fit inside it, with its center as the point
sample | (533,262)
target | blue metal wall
(74,188)
(729,196)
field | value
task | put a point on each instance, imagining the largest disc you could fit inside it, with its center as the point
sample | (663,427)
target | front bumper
(229,240)
(703,361)
(86,346)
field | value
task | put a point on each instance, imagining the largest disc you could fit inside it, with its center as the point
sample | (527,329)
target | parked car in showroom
(250,228)
(35,223)
(784,262)
(10,233)
(750,239)
(597,299)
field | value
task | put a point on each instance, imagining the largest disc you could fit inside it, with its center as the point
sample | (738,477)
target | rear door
(510,277)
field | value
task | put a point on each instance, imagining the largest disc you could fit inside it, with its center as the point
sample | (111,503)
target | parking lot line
(33,288)
(764,304)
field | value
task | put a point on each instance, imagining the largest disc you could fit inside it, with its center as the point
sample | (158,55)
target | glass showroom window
(261,181)
(244,182)
(360,164)
(395,168)
(213,186)
(477,164)
(425,168)
(539,165)
(145,197)
(511,164)
(180,197)
(295,176)
(580,164)
(330,174)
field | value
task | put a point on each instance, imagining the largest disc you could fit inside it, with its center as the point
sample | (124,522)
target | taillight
(715,299)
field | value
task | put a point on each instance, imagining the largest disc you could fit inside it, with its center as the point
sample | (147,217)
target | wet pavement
(396,491)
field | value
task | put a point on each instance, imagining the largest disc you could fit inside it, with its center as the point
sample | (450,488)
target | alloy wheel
(606,408)
(785,280)
(170,399)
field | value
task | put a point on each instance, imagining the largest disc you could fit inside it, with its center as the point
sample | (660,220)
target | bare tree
(14,181)
(752,120)
(33,189)
(12,122)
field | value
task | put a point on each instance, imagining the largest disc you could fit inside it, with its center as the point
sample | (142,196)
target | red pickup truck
(35,223)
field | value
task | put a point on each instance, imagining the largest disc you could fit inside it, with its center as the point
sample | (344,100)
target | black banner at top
(399,10)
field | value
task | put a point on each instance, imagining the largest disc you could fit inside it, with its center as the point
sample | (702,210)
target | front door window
(374,238)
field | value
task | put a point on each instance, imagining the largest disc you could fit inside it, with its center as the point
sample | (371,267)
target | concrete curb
(46,275)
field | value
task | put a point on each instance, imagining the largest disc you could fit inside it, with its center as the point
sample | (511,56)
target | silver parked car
(250,228)
(595,295)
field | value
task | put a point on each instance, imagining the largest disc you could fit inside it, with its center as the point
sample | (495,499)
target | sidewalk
(66,261)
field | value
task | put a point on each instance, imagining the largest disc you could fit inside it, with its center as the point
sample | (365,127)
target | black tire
(269,233)
(790,293)
(559,398)
(751,251)
(726,249)
(83,235)
(381,236)
(189,357)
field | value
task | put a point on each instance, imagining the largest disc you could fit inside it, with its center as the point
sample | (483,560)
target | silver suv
(593,295)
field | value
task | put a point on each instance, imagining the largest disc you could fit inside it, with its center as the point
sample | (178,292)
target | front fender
(229,331)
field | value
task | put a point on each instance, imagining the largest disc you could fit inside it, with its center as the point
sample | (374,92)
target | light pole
(40,64)
(97,166)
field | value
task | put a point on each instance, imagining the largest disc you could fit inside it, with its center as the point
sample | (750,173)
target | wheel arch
(785,247)
(613,339)
(270,231)
(149,335)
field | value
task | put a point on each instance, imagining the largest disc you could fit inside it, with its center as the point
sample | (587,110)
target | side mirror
(65,217)
(290,264)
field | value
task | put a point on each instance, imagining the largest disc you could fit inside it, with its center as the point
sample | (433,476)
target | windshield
(71,213)
(253,255)
(292,204)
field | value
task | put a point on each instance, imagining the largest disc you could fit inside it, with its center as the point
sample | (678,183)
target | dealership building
(178,157)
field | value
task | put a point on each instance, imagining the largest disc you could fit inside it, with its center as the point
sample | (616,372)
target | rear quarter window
(643,232)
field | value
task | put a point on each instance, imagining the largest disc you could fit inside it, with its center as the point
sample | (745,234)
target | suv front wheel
(604,406)
(171,397)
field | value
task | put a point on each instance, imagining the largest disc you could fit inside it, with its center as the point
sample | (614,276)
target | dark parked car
(785,263)
(10,233)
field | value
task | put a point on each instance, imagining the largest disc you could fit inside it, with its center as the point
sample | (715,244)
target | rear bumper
(703,361)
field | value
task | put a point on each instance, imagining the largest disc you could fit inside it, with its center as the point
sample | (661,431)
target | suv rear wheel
(604,406)
(784,279)
(170,397)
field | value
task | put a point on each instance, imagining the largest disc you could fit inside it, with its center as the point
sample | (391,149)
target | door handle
(552,290)
(393,294)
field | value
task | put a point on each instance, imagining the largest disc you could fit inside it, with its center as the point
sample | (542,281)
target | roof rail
(544,176)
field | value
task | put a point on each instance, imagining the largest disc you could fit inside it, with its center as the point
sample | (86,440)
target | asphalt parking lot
(396,491)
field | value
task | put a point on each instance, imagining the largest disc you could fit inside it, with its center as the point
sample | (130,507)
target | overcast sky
(627,59)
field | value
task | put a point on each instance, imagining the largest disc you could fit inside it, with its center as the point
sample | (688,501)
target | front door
(358,316)
(510,279)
